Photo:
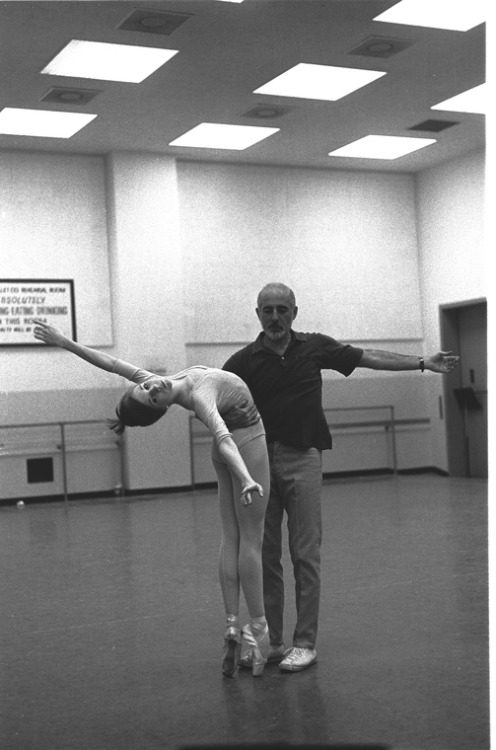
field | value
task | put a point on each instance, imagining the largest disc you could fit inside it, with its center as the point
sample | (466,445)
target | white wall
(452,261)
(345,243)
(187,247)
(76,217)
(146,267)
(53,226)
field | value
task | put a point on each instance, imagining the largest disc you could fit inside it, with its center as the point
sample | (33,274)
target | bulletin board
(24,300)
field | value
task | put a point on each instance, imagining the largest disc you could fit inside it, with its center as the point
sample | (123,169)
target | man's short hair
(276,286)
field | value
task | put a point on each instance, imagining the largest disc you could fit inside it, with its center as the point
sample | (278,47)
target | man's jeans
(296,480)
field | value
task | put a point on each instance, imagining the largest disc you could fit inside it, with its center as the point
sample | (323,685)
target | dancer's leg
(229,544)
(251,526)
(228,567)
(250,519)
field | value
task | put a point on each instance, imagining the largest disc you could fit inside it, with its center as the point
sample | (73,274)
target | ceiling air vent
(154,21)
(380,46)
(433,126)
(266,111)
(68,96)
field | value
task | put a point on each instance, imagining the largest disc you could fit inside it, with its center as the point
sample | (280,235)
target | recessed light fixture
(381,147)
(456,15)
(231,1)
(108,62)
(473,100)
(216,135)
(324,82)
(42,123)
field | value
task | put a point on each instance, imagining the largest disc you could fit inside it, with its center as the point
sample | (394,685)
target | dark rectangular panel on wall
(39,470)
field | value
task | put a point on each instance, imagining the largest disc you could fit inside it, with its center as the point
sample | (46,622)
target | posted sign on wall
(24,300)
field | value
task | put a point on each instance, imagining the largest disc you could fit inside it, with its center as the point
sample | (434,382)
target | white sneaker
(296,659)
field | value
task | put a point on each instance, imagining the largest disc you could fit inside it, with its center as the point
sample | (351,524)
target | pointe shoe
(231,651)
(259,645)
(276,654)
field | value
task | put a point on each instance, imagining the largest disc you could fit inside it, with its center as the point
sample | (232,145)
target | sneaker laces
(295,654)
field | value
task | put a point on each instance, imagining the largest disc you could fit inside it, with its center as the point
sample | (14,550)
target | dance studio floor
(111,625)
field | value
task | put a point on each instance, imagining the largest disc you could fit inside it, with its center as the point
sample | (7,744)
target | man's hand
(242,415)
(442,362)
(248,489)
(48,334)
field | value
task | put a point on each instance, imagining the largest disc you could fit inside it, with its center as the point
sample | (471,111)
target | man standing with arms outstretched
(282,369)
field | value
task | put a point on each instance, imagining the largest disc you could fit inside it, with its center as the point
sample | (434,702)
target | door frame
(455,429)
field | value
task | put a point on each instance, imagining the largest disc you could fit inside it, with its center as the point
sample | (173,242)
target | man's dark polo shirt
(288,390)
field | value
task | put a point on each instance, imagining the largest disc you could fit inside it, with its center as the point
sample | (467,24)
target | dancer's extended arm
(207,412)
(54,337)
(231,455)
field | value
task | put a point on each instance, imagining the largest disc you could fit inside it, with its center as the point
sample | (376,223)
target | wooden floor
(111,625)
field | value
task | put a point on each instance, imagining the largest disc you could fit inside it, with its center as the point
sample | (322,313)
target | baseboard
(357,473)
(103,495)
(383,472)
(425,470)
(154,491)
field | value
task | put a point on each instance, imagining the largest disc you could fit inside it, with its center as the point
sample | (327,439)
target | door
(464,329)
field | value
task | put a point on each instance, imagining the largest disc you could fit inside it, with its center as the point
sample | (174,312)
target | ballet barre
(361,419)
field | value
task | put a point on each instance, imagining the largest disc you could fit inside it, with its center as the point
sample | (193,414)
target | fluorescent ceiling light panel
(215,135)
(473,100)
(42,123)
(231,1)
(324,82)
(456,15)
(108,62)
(382,147)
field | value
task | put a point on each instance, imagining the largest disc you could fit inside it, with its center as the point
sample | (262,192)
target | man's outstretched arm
(375,359)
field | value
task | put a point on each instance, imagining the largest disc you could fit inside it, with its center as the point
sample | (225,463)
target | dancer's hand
(248,489)
(49,334)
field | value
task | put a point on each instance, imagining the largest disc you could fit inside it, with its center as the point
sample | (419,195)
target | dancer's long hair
(133,413)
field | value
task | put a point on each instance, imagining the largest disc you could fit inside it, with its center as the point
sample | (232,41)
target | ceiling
(226,51)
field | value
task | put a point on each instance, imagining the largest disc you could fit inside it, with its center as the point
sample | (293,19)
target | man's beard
(275,333)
